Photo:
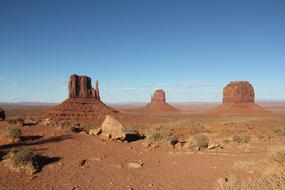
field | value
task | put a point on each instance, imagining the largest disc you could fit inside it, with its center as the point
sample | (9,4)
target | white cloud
(2,78)
(15,84)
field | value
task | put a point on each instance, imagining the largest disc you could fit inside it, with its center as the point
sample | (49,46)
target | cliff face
(158,96)
(238,92)
(81,87)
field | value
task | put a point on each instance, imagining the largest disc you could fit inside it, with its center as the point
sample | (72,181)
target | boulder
(2,115)
(95,131)
(113,129)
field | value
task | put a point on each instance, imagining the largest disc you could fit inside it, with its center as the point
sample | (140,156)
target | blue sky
(189,48)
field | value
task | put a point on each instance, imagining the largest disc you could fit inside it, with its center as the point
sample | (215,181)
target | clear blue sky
(189,48)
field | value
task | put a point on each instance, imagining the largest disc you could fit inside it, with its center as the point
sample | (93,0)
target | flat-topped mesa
(239,99)
(158,96)
(81,87)
(238,92)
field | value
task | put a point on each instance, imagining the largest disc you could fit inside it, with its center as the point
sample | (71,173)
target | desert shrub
(272,174)
(201,141)
(241,139)
(15,121)
(225,141)
(270,180)
(25,160)
(156,136)
(281,132)
(12,134)
(277,157)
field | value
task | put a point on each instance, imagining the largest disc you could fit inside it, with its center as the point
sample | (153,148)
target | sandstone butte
(158,103)
(83,105)
(239,99)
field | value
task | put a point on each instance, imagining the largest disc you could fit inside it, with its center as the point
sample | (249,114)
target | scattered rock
(145,144)
(46,121)
(179,146)
(113,128)
(135,165)
(213,146)
(95,131)
(2,115)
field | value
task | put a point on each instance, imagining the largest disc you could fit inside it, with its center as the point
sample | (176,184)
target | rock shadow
(133,137)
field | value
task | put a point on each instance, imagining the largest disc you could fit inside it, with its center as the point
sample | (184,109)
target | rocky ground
(81,161)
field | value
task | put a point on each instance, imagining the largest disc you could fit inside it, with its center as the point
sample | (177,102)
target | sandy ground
(81,161)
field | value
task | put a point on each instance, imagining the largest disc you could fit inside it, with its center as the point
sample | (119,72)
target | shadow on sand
(36,140)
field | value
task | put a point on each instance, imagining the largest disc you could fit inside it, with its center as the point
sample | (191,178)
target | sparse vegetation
(201,141)
(241,139)
(13,134)
(156,137)
(15,121)
(225,141)
(271,177)
(24,160)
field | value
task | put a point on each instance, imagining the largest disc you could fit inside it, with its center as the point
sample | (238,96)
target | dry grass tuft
(272,177)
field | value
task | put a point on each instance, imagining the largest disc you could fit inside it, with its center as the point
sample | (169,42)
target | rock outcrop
(238,92)
(158,96)
(239,99)
(83,105)
(2,115)
(113,129)
(81,87)
(158,103)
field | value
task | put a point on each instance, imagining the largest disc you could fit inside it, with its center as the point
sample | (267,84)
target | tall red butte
(239,99)
(83,105)
(158,103)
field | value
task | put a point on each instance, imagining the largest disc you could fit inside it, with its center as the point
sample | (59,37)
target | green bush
(13,134)
(26,160)
(201,141)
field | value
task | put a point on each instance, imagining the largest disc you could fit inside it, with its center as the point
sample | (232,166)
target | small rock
(150,185)
(213,146)
(145,144)
(178,146)
(95,131)
(134,165)
(82,162)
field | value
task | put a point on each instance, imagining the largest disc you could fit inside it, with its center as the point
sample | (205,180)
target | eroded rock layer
(83,105)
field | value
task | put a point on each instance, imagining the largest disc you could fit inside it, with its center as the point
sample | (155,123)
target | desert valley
(142,95)
(84,144)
